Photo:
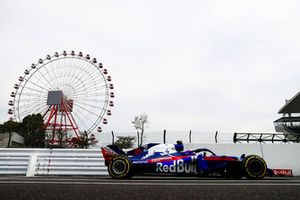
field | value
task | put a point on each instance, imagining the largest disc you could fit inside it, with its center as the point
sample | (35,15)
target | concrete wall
(15,137)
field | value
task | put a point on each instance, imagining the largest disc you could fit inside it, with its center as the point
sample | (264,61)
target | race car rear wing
(111,151)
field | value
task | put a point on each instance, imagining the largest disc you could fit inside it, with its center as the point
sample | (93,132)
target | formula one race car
(171,159)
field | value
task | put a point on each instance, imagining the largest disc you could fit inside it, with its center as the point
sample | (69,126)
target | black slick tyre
(254,167)
(120,167)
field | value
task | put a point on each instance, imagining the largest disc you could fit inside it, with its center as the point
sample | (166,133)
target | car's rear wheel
(254,167)
(120,167)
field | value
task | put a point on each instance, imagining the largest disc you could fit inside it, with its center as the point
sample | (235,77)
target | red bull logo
(282,172)
(178,166)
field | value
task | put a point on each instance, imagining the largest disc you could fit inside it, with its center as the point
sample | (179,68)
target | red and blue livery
(158,158)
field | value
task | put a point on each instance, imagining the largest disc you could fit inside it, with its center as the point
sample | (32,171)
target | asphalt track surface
(145,187)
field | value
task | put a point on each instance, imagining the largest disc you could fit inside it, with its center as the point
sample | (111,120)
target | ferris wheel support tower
(60,118)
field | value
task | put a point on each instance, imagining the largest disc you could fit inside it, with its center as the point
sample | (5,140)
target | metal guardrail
(265,138)
(31,162)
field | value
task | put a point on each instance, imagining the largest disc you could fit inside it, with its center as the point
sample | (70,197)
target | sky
(190,65)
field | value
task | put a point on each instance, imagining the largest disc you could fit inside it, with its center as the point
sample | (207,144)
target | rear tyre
(120,167)
(254,167)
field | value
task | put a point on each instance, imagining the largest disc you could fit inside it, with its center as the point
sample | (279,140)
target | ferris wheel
(72,91)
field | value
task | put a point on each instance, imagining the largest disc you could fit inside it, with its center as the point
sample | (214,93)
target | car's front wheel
(120,167)
(254,167)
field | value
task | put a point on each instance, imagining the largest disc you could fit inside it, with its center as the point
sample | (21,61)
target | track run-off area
(147,187)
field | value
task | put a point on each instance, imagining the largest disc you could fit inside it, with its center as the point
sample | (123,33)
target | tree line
(34,133)
(31,128)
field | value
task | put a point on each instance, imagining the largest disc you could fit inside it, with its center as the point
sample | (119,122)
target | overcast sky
(200,65)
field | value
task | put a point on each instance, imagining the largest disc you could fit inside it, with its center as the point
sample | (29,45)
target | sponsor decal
(178,166)
(140,162)
(282,172)
(163,159)
(219,158)
(162,149)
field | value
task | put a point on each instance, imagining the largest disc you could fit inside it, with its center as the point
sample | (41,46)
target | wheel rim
(119,167)
(256,167)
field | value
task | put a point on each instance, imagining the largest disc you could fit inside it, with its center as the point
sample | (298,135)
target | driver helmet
(179,146)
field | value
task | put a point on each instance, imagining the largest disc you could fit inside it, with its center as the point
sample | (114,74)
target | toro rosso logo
(177,166)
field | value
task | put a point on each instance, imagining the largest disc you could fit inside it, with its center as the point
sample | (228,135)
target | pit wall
(282,156)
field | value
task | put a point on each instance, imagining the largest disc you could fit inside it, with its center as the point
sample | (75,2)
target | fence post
(138,138)
(165,132)
(113,137)
(216,137)
(31,165)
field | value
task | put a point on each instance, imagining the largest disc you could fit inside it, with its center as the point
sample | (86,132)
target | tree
(85,140)
(125,142)
(2,128)
(33,130)
(82,142)
(139,123)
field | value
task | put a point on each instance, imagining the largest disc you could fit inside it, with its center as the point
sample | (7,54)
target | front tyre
(254,167)
(120,167)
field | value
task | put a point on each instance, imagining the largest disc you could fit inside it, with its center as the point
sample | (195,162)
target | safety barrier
(37,162)
(31,162)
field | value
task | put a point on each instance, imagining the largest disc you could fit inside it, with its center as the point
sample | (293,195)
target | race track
(147,188)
